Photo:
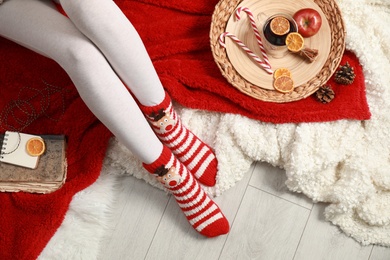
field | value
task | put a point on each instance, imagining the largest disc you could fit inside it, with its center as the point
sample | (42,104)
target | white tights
(98,48)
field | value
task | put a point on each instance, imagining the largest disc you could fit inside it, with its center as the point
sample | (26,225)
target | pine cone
(345,75)
(325,94)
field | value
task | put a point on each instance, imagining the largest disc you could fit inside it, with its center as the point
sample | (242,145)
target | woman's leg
(37,25)
(105,24)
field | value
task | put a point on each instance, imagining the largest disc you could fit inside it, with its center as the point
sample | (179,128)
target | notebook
(48,176)
(14,151)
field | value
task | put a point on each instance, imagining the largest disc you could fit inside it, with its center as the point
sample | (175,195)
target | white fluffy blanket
(344,163)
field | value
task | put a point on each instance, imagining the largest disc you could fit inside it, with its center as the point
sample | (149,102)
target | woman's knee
(95,17)
(79,54)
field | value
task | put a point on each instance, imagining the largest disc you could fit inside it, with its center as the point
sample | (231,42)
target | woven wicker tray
(248,77)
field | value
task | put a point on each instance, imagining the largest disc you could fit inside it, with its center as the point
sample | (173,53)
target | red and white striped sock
(202,213)
(188,148)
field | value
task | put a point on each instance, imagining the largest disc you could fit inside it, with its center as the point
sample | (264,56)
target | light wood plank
(136,214)
(176,239)
(272,180)
(380,253)
(322,240)
(266,227)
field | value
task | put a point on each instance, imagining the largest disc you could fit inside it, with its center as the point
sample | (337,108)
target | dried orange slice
(35,146)
(284,84)
(280,25)
(282,72)
(294,42)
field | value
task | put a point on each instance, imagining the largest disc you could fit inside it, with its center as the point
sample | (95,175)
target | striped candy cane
(264,65)
(255,30)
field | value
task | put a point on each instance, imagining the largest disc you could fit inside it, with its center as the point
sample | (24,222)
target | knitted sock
(188,148)
(202,213)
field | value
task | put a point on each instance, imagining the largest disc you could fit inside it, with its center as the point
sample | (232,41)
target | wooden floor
(267,222)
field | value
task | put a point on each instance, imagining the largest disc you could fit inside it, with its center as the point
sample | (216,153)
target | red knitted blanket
(37,97)
(177,40)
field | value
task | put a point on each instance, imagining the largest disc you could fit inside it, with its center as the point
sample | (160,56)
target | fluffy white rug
(344,163)
(85,223)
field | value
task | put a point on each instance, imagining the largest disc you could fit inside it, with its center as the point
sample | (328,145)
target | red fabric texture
(176,34)
(177,38)
(28,221)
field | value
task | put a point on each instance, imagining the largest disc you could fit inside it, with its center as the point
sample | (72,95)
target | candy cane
(264,65)
(255,30)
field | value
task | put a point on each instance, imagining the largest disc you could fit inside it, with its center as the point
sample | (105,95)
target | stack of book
(22,170)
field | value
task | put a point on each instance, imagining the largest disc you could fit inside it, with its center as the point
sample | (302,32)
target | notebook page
(19,156)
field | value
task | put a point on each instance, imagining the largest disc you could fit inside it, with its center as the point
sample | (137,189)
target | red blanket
(48,104)
(176,36)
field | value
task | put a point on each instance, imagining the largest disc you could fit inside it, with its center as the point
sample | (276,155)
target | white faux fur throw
(345,163)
